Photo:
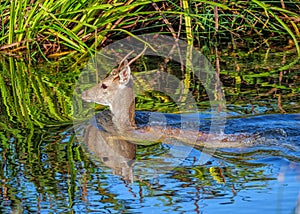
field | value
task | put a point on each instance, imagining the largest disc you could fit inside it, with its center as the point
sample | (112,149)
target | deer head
(116,85)
(116,91)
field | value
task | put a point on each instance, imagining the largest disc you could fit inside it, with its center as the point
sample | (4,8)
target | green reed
(53,29)
(57,29)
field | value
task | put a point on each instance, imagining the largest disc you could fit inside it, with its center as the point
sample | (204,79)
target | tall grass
(56,29)
(263,23)
(60,28)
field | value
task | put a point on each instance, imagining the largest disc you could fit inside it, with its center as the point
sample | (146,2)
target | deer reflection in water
(117,154)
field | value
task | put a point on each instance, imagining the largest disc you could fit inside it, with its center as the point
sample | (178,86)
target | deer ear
(125,74)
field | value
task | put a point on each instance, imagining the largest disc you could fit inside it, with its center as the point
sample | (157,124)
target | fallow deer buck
(117,92)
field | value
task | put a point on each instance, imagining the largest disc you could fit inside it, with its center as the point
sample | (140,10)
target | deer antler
(138,56)
(134,59)
(124,58)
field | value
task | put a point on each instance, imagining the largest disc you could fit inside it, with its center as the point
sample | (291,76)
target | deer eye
(103,86)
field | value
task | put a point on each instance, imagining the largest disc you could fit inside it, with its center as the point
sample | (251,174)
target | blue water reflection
(261,178)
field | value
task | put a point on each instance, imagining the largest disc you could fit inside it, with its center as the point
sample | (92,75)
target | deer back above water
(116,91)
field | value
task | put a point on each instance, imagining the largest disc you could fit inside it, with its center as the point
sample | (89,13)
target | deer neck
(123,109)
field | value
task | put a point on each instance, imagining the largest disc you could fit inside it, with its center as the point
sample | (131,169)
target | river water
(45,166)
(56,176)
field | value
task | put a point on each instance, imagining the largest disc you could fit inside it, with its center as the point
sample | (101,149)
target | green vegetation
(60,29)
(64,34)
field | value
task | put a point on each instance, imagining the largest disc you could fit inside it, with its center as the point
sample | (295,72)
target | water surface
(55,175)
(45,167)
